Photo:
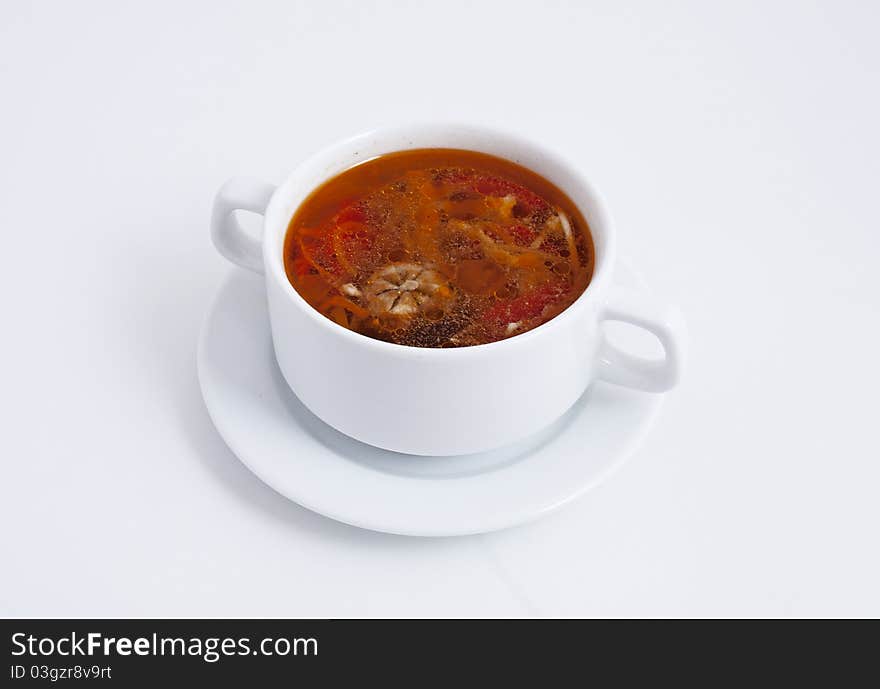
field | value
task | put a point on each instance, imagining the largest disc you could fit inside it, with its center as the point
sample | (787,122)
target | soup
(438,248)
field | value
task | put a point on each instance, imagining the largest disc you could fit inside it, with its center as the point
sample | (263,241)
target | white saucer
(302,458)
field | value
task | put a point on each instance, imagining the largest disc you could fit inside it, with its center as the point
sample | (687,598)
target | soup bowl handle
(230,238)
(663,321)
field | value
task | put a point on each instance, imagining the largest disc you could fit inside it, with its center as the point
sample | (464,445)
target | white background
(737,145)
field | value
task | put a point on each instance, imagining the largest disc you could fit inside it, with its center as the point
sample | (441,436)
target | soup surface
(438,248)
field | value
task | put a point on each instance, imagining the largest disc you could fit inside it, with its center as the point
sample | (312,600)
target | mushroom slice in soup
(402,290)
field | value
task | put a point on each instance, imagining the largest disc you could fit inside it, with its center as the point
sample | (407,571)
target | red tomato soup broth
(438,248)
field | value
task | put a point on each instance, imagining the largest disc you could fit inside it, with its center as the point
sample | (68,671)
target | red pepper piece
(497,186)
(523,307)
(523,235)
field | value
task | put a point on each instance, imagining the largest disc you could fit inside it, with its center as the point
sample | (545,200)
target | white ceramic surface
(444,401)
(306,460)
